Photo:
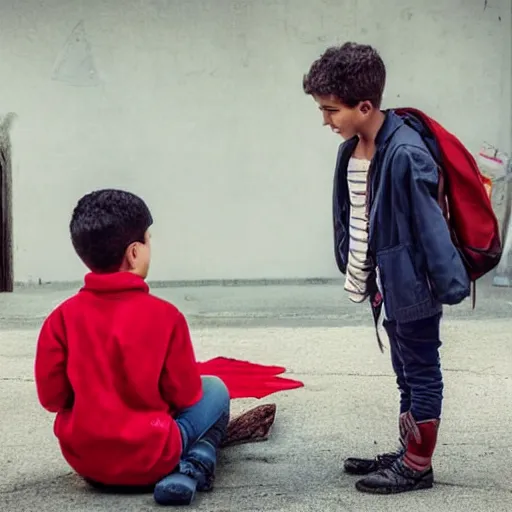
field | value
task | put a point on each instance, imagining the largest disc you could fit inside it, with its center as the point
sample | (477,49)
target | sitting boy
(117,366)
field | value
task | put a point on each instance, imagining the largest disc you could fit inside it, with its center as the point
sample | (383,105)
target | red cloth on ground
(248,380)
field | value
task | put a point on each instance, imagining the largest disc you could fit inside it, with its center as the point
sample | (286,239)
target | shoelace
(390,457)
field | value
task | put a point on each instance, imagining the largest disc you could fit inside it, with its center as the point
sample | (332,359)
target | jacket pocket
(406,289)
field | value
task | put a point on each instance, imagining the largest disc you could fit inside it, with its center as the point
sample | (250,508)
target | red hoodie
(116,363)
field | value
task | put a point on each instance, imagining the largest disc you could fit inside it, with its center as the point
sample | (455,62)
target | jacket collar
(391,124)
(115,282)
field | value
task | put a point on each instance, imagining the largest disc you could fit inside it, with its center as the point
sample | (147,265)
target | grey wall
(198,107)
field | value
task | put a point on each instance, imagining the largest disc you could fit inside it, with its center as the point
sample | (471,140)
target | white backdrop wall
(198,107)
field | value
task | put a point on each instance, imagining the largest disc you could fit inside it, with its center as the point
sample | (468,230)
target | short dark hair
(104,223)
(352,72)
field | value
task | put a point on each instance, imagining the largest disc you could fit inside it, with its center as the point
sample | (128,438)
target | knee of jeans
(215,387)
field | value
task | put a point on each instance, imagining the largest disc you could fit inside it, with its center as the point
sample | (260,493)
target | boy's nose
(326,120)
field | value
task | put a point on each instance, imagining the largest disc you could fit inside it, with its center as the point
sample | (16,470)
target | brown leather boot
(413,470)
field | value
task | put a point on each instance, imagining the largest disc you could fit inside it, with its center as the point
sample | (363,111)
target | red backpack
(464,195)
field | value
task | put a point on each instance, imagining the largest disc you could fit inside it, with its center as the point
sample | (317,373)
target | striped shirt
(359,267)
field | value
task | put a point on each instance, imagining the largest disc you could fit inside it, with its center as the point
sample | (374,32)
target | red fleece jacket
(116,363)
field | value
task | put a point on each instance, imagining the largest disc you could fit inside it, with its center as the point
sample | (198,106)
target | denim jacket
(409,241)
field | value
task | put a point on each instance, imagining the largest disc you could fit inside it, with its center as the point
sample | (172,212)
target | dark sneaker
(355,466)
(396,479)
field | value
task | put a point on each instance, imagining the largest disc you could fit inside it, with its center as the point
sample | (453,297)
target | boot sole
(420,486)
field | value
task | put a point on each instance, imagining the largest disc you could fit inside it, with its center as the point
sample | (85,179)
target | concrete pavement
(348,405)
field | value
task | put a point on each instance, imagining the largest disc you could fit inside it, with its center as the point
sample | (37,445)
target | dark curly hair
(352,72)
(104,223)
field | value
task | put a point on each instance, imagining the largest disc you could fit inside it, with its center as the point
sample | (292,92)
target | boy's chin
(345,135)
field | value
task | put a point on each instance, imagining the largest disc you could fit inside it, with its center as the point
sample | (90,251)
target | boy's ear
(131,254)
(365,107)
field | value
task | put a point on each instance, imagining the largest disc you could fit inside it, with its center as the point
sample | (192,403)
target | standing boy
(394,245)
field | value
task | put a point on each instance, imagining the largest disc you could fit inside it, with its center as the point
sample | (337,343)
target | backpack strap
(376,311)
(376,303)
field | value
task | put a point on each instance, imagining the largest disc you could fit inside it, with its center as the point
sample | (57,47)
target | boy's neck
(366,146)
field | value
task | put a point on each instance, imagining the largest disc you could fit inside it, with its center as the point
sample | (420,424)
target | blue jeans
(206,420)
(203,427)
(210,415)
(415,358)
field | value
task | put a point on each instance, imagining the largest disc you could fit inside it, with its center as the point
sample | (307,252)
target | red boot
(412,471)
(421,443)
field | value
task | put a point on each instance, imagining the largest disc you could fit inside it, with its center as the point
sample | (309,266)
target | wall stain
(407,14)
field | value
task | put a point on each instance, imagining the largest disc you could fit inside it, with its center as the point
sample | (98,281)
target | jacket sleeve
(448,276)
(180,382)
(340,202)
(53,387)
